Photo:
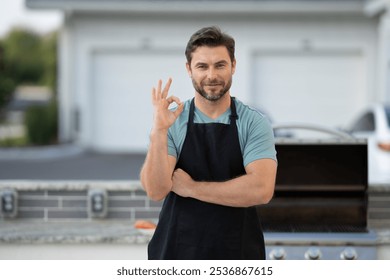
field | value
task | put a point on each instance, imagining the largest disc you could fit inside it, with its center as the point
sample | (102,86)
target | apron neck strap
(233,113)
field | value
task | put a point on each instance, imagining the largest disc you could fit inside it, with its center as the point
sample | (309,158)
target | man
(212,159)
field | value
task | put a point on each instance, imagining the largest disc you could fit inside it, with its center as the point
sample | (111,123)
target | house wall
(98,50)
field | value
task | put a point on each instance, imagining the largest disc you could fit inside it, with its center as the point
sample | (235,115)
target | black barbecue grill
(320,200)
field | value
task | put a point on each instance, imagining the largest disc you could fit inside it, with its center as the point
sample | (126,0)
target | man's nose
(212,73)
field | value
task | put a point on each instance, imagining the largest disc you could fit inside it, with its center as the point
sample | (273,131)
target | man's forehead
(205,53)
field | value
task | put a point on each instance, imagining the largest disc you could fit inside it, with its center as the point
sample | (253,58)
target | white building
(315,61)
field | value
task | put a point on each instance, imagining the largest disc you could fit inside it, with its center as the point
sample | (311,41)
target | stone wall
(53,201)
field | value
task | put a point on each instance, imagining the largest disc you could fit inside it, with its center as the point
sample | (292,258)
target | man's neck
(212,109)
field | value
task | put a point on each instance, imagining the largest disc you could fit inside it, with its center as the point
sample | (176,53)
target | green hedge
(42,124)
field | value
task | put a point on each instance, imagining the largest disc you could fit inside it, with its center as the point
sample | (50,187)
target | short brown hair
(210,37)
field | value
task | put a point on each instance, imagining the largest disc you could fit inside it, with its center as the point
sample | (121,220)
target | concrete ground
(67,162)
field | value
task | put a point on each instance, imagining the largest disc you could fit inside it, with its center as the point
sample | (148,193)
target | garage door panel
(122,115)
(320,88)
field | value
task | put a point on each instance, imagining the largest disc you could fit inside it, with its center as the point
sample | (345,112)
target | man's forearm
(156,173)
(254,188)
(238,192)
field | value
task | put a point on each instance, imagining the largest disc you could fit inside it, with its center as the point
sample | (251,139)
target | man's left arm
(254,188)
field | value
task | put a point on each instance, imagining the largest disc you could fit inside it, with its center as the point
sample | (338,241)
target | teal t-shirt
(254,131)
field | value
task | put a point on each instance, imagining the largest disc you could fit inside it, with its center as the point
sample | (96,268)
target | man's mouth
(212,85)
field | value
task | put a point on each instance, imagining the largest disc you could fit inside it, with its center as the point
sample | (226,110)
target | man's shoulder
(249,113)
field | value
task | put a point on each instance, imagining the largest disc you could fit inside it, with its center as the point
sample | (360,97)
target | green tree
(23,56)
(7,84)
(41,124)
(49,57)
(27,58)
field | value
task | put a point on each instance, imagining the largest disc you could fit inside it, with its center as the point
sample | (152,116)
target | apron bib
(195,230)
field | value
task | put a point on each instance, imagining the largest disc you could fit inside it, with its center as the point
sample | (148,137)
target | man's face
(211,71)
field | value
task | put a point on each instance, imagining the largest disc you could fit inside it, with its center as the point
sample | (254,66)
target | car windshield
(387,110)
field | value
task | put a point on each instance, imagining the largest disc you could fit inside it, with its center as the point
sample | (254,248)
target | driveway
(67,162)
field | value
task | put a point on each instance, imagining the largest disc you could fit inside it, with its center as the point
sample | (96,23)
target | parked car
(374,125)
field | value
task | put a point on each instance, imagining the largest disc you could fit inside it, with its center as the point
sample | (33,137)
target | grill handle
(312,127)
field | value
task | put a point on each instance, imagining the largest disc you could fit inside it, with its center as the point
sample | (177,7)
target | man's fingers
(165,91)
(172,99)
(180,105)
(179,110)
(158,90)
(157,94)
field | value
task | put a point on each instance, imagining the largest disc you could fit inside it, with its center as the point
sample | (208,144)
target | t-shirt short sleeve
(260,142)
(177,132)
(172,151)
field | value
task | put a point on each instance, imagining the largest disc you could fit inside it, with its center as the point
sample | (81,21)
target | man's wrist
(158,132)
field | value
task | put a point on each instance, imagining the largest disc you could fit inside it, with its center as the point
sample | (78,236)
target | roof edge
(194,6)
(376,7)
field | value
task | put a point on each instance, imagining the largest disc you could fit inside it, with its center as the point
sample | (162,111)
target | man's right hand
(156,173)
(164,117)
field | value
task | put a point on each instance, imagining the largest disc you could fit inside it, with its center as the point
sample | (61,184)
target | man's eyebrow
(222,62)
(200,63)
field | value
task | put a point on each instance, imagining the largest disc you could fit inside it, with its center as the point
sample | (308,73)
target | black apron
(195,230)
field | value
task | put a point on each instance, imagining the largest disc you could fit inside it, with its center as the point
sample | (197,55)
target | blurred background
(76,76)
(317,61)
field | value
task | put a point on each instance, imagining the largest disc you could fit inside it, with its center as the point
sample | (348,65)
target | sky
(14,13)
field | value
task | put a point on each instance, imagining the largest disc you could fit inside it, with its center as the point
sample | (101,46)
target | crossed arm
(254,188)
(159,178)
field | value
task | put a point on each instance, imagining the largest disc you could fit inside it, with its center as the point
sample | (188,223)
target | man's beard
(214,95)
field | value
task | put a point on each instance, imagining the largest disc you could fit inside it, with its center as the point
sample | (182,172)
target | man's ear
(233,66)
(188,67)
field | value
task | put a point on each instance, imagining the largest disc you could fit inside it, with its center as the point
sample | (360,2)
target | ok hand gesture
(163,117)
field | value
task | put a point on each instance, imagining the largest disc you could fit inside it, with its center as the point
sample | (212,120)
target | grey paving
(67,162)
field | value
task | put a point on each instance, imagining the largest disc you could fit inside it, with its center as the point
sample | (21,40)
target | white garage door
(314,87)
(121,103)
